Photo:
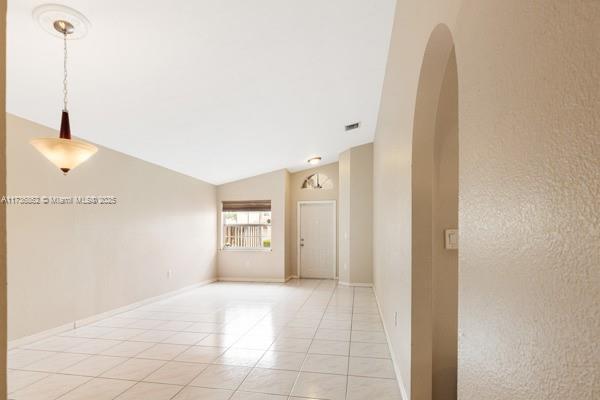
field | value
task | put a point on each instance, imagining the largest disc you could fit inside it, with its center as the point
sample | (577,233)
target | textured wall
(68,262)
(529,85)
(529,200)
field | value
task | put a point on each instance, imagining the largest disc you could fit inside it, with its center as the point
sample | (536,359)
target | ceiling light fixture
(64,152)
(314,160)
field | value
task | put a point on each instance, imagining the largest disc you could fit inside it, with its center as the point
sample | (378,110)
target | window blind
(250,205)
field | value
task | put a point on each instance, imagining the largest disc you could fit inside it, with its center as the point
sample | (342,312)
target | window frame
(222,246)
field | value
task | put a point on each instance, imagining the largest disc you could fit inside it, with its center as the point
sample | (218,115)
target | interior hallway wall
(3,261)
(356,215)
(445,216)
(434,209)
(298,194)
(361,214)
(344,217)
(529,209)
(529,179)
(289,245)
(67,262)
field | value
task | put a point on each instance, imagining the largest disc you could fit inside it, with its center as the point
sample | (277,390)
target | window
(247,225)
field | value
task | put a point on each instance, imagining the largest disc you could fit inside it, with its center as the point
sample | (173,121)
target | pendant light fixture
(64,152)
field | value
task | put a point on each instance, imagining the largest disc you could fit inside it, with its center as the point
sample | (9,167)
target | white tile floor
(307,339)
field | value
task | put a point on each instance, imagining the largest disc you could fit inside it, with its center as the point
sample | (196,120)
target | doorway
(435,161)
(316,239)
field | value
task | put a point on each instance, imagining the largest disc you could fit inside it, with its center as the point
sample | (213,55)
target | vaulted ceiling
(215,89)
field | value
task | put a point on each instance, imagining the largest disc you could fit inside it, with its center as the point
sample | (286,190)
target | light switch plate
(451,239)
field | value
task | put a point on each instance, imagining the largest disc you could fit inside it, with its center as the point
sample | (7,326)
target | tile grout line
(276,338)
(231,346)
(277,305)
(313,338)
(350,343)
(212,362)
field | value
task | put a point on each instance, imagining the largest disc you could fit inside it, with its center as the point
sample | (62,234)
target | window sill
(247,250)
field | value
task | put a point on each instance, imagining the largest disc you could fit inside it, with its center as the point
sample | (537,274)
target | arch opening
(434,329)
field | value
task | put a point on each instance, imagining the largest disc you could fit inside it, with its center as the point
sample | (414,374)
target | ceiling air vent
(352,126)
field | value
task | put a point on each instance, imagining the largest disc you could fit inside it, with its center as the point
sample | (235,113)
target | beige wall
(361,214)
(68,262)
(284,191)
(434,209)
(3,289)
(529,173)
(289,244)
(356,215)
(344,217)
(445,262)
(257,265)
(298,194)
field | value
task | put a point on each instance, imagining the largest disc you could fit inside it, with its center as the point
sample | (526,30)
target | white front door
(316,241)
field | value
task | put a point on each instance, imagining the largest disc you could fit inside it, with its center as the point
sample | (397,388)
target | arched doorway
(435,209)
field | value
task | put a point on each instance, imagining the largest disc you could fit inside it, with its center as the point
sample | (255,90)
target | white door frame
(298,230)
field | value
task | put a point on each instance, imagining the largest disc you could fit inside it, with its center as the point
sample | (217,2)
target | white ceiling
(216,89)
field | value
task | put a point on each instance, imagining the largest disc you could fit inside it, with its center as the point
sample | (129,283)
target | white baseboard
(394,361)
(342,283)
(97,317)
(253,280)
(40,335)
(291,277)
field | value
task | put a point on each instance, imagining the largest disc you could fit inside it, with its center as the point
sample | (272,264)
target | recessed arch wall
(435,208)
(529,177)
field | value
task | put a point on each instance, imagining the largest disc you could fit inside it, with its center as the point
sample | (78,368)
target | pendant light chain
(65,92)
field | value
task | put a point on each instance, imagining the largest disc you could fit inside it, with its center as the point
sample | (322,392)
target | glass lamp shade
(66,154)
